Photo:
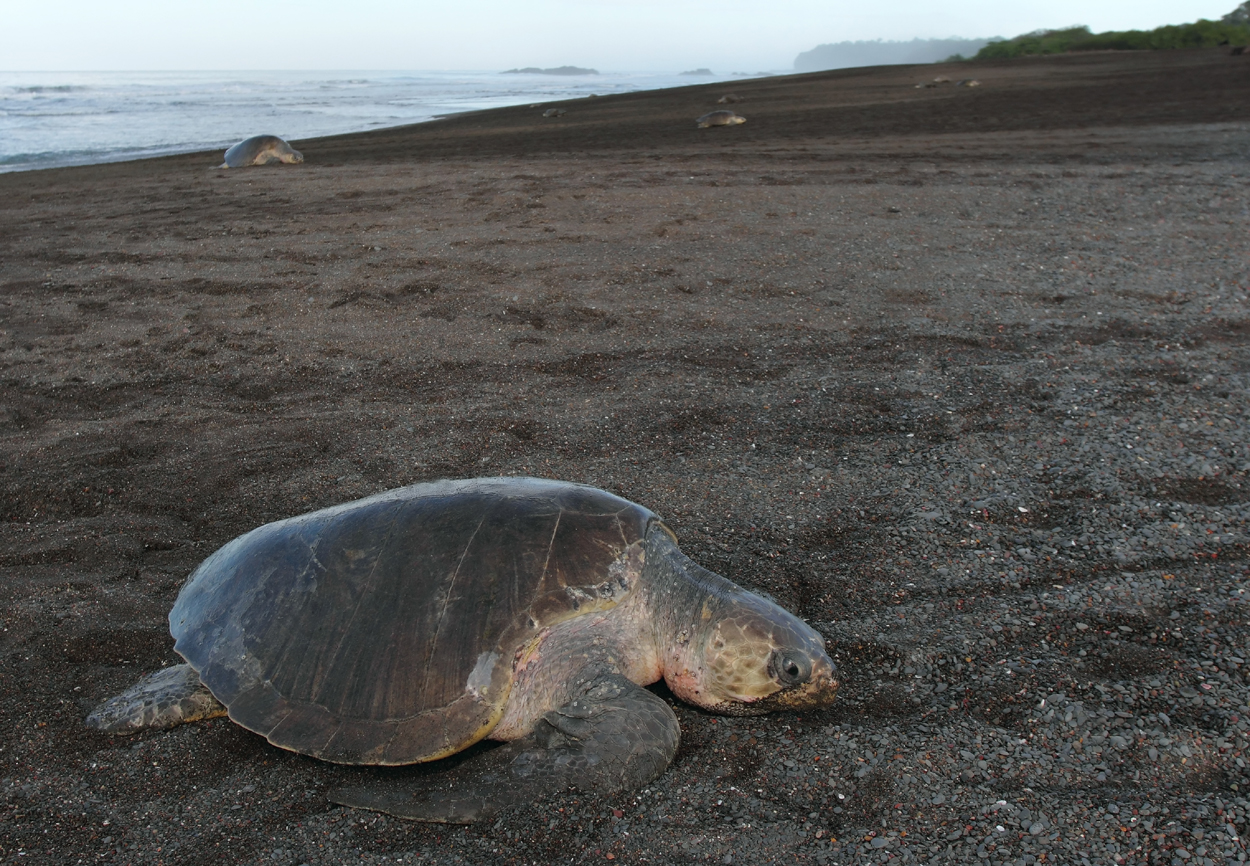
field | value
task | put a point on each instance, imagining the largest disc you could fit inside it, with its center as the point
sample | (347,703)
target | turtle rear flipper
(613,737)
(168,697)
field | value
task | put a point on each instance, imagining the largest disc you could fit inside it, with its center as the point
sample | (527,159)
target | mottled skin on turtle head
(729,650)
(714,644)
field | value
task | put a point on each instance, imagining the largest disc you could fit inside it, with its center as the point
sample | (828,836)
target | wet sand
(957,374)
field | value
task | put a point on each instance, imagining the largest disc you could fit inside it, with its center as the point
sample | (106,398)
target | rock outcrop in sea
(557,70)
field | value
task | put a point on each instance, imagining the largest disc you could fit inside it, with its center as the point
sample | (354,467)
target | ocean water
(74,118)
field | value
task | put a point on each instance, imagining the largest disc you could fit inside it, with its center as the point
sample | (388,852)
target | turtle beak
(818,689)
(762,658)
(814,687)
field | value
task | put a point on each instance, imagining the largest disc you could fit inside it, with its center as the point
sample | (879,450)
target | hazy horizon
(608,35)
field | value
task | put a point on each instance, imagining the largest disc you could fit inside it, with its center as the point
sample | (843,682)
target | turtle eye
(790,669)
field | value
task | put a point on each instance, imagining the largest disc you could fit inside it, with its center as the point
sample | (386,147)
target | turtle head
(749,656)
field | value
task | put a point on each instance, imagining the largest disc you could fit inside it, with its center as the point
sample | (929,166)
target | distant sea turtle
(409,625)
(261,150)
(729,99)
(554,112)
(724,117)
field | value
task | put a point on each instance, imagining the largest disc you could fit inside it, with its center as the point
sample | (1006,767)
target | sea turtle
(409,625)
(261,150)
(723,117)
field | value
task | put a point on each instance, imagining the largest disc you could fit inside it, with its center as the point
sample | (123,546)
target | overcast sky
(610,35)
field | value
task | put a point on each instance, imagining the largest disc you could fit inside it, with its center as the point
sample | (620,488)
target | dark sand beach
(957,374)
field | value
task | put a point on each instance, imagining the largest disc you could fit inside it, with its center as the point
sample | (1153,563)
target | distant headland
(842,55)
(558,70)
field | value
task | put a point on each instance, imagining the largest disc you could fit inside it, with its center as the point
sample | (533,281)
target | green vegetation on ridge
(1232,29)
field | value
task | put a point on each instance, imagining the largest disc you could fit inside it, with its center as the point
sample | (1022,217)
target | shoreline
(392,96)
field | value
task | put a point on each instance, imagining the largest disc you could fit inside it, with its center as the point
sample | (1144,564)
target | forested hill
(1233,30)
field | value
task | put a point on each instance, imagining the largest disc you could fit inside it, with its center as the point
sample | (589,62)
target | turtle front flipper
(168,697)
(614,736)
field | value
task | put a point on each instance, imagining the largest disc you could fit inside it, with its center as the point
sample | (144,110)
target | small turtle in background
(729,99)
(554,112)
(408,626)
(724,117)
(967,82)
(261,150)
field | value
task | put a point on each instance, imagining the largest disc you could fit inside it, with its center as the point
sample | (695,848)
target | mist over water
(74,118)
